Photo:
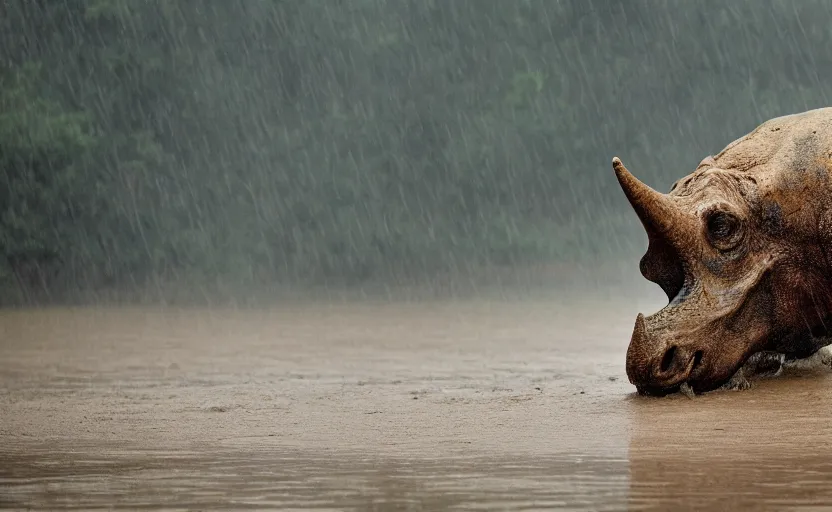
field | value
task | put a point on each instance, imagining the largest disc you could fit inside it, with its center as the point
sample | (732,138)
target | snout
(659,367)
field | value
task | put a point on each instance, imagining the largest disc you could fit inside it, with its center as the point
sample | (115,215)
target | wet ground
(381,406)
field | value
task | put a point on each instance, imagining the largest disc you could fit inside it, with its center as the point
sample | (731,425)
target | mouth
(674,385)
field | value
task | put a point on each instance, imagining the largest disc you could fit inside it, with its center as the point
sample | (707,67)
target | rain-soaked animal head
(739,247)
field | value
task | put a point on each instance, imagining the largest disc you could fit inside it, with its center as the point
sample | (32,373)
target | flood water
(385,406)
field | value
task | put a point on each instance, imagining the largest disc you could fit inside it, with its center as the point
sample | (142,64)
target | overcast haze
(210,149)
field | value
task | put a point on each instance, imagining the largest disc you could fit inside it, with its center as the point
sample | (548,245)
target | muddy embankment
(375,404)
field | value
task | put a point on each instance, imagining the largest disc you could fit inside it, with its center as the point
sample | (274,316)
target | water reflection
(766,449)
(298,414)
(342,481)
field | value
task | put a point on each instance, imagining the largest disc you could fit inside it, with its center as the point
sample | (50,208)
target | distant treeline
(145,143)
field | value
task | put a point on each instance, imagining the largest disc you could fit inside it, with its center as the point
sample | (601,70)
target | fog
(372,254)
(236,150)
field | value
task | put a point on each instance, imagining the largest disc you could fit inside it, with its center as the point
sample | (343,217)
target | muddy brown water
(441,405)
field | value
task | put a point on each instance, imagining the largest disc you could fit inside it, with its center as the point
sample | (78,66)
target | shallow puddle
(452,405)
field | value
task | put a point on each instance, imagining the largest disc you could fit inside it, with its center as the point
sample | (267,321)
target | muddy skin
(741,247)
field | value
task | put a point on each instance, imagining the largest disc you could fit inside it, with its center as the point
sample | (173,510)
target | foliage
(269,142)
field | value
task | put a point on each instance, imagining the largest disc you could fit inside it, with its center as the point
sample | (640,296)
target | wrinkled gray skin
(743,249)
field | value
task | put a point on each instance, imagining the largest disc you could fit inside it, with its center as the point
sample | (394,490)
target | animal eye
(724,229)
(721,225)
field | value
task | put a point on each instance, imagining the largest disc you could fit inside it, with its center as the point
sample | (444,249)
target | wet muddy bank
(545,281)
(368,405)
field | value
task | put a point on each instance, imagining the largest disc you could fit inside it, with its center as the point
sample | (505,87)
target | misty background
(165,149)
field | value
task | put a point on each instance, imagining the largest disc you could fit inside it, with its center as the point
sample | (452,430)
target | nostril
(697,359)
(667,360)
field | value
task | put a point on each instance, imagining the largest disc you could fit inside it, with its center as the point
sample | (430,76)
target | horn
(655,210)
(639,353)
